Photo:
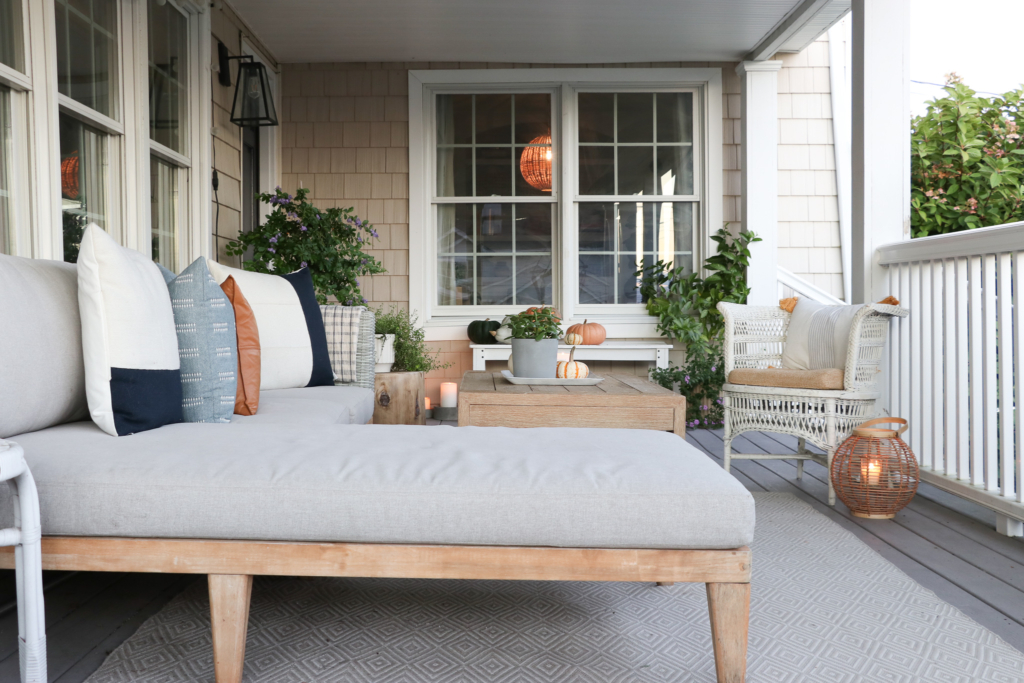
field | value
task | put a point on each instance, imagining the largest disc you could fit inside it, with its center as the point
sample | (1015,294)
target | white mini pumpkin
(573,339)
(571,369)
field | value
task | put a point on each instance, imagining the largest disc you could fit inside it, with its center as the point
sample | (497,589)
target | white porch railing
(956,364)
(791,284)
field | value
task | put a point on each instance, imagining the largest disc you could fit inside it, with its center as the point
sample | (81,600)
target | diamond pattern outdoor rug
(825,607)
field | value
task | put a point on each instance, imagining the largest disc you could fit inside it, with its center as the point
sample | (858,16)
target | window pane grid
(461,165)
(11,47)
(475,254)
(87,53)
(168,76)
(164,212)
(670,171)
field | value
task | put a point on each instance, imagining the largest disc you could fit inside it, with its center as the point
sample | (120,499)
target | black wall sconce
(253,103)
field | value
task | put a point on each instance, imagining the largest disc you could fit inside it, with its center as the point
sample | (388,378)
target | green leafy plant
(967,161)
(535,323)
(297,235)
(411,353)
(685,305)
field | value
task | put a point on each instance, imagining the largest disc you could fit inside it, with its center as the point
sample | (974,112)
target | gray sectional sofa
(306,487)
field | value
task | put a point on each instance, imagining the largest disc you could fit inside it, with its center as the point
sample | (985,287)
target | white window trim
(19,86)
(629,322)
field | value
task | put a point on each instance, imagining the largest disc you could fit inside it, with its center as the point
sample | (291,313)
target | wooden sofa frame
(231,565)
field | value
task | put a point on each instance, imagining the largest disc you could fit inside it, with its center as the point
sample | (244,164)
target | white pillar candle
(563,356)
(426,403)
(449,394)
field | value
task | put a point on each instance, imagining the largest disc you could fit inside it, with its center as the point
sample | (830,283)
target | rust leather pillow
(247,396)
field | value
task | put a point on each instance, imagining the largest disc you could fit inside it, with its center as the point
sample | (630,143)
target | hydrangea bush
(297,235)
(967,160)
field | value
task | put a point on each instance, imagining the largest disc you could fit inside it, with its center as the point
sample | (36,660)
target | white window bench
(609,350)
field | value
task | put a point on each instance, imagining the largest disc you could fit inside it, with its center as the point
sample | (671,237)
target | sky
(974,38)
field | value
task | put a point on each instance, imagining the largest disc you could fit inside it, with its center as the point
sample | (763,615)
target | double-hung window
(14,84)
(170,149)
(555,187)
(89,96)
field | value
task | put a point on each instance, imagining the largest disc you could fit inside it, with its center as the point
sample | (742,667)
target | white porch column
(881,139)
(759,183)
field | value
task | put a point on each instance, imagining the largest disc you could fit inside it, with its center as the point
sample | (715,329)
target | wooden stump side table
(486,399)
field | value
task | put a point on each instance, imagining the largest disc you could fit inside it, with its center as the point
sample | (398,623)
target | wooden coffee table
(486,399)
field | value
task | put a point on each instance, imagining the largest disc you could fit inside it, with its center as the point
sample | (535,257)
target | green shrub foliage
(297,235)
(966,161)
(685,305)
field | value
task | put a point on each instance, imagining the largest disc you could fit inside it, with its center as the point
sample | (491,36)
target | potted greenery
(298,235)
(685,305)
(399,394)
(535,334)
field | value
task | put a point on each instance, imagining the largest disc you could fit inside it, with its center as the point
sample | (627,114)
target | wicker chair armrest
(868,335)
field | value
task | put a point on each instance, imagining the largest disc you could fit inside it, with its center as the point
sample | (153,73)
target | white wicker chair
(754,338)
(25,537)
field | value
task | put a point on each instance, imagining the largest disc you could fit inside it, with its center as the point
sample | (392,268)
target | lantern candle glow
(449,394)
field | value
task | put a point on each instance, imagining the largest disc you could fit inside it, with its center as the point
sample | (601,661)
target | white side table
(609,350)
(25,536)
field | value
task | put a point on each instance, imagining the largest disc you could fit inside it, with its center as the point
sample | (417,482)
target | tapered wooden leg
(229,614)
(729,604)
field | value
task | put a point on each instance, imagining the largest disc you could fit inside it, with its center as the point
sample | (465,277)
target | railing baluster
(1005,376)
(991,477)
(905,348)
(896,327)
(923,409)
(963,414)
(976,388)
(1018,373)
(915,366)
(938,399)
(950,367)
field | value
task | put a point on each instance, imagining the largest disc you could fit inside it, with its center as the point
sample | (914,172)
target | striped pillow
(818,336)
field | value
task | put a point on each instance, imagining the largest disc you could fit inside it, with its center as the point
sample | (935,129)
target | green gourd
(480,331)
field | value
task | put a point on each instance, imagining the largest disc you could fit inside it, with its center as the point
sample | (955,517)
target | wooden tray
(551,381)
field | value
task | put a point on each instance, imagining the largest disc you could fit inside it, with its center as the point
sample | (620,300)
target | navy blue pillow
(322,374)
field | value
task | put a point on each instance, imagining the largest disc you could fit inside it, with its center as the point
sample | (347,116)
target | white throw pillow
(130,347)
(818,336)
(293,344)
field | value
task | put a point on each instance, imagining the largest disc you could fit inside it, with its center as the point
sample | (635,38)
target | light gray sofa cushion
(387,484)
(313,405)
(42,375)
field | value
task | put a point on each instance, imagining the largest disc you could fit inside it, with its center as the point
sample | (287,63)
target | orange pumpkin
(592,333)
(571,369)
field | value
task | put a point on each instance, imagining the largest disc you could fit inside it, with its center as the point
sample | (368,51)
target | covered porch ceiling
(536,31)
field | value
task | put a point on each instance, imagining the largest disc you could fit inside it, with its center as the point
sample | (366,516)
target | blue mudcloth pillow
(207,346)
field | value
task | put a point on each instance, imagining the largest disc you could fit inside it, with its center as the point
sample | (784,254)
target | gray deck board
(946,544)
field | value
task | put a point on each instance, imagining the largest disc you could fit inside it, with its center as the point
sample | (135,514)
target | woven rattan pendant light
(535,164)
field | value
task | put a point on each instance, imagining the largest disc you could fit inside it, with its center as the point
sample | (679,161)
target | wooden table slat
(620,401)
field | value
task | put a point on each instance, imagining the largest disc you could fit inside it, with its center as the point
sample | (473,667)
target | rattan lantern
(874,472)
(535,164)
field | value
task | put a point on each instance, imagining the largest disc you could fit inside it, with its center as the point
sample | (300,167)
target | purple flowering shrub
(700,380)
(298,235)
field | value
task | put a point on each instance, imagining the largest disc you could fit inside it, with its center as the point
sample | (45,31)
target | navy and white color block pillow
(130,348)
(207,347)
(293,342)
